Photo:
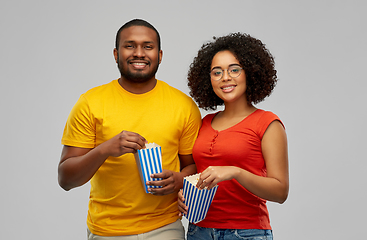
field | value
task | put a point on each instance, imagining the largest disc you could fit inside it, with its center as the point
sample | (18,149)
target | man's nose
(139,52)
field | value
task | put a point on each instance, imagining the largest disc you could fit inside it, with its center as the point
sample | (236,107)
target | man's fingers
(163,175)
(160,191)
(132,140)
(163,182)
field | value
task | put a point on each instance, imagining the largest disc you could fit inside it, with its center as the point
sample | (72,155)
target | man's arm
(172,181)
(188,166)
(78,165)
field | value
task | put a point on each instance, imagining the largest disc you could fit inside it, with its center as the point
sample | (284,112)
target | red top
(234,207)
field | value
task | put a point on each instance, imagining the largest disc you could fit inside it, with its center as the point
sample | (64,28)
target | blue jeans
(195,232)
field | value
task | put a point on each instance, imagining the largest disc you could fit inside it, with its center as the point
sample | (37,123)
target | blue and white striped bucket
(197,200)
(149,161)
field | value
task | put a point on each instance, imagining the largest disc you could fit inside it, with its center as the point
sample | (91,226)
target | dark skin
(78,165)
(171,181)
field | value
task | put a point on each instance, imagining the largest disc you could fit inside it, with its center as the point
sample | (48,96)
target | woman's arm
(274,187)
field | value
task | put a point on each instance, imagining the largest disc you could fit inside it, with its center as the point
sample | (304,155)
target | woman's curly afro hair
(255,59)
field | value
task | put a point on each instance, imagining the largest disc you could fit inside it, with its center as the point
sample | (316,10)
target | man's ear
(115,54)
(160,55)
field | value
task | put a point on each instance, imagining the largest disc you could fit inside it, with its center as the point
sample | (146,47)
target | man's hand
(181,204)
(78,165)
(124,142)
(171,182)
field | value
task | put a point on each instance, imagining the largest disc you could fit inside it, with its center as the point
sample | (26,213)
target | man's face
(138,56)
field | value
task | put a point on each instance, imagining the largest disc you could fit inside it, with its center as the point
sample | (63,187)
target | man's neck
(137,88)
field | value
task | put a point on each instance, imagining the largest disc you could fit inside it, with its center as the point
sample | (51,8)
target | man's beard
(137,77)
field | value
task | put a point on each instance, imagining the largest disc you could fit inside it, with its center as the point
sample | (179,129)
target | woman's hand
(215,174)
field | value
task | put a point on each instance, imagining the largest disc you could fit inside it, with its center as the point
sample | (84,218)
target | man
(111,122)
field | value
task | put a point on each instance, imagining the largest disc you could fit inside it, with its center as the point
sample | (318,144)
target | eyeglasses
(233,71)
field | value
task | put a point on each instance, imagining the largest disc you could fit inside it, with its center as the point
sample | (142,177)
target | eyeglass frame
(227,72)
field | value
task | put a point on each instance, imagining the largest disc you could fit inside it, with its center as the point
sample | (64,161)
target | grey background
(53,51)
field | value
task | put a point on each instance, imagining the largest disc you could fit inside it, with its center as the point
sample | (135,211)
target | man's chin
(138,78)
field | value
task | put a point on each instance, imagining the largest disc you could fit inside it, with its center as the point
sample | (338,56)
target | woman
(242,149)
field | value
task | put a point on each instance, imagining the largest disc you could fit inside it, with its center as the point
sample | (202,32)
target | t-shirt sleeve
(79,130)
(265,120)
(190,131)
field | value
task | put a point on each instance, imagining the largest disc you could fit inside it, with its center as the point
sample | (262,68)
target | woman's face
(229,89)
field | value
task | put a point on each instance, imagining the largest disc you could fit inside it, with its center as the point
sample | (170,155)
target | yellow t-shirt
(118,203)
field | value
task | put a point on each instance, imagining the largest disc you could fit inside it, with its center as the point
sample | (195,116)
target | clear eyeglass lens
(216,74)
(234,71)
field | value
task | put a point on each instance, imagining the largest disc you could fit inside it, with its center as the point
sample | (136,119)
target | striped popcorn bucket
(197,200)
(149,161)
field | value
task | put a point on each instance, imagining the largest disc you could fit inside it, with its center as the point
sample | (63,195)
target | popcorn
(197,200)
(149,161)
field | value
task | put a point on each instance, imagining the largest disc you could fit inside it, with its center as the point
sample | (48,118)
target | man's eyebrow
(133,41)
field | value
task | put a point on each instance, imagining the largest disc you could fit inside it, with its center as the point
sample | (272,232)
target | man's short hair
(137,22)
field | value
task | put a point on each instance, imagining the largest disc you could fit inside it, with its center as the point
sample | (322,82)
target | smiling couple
(242,149)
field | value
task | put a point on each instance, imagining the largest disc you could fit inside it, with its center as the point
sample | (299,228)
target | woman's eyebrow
(230,65)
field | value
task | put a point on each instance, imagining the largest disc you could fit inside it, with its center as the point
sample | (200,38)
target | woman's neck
(231,115)
(238,110)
